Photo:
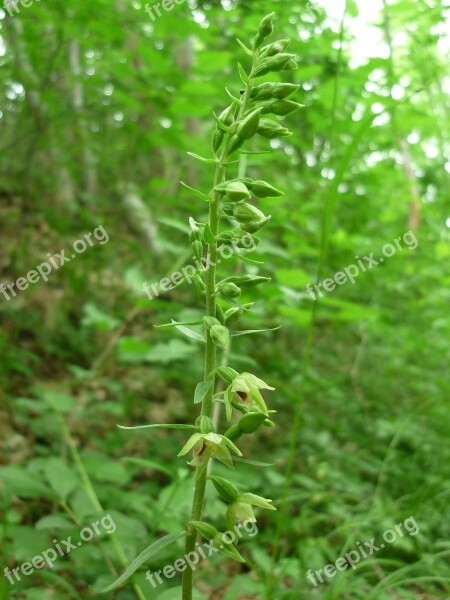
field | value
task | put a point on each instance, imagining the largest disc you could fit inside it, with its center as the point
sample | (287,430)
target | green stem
(210,352)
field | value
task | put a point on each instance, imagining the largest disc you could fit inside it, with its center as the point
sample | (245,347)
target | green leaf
(190,333)
(54,522)
(159,426)
(209,161)
(22,483)
(250,331)
(244,47)
(197,193)
(148,464)
(60,476)
(175,323)
(143,558)
(255,463)
(202,390)
(242,74)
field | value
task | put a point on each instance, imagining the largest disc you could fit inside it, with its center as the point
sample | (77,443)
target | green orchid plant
(230,202)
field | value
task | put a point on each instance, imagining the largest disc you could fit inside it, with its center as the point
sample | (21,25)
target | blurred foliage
(99,105)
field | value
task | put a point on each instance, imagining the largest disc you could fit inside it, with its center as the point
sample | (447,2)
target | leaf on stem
(202,390)
(244,47)
(210,161)
(143,558)
(198,193)
(250,331)
(160,426)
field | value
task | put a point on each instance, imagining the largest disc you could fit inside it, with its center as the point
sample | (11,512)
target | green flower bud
(246,213)
(220,336)
(205,424)
(268,423)
(227,116)
(249,125)
(255,226)
(234,433)
(200,285)
(251,422)
(218,138)
(275,48)
(273,90)
(281,107)
(273,64)
(262,189)
(227,549)
(291,65)
(233,314)
(235,191)
(229,290)
(271,129)
(210,322)
(265,29)
(204,529)
(236,142)
(198,249)
(227,374)
(248,280)
(226,490)
(220,314)
(195,233)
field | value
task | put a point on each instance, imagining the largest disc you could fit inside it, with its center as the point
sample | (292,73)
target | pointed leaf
(198,193)
(255,463)
(244,47)
(242,74)
(202,390)
(143,558)
(202,159)
(159,426)
(251,331)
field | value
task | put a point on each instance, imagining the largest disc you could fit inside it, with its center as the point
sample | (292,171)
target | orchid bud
(210,322)
(248,280)
(220,314)
(226,490)
(198,249)
(204,529)
(246,213)
(255,226)
(195,233)
(229,290)
(227,116)
(281,107)
(218,138)
(205,425)
(291,65)
(272,64)
(235,143)
(227,374)
(234,433)
(233,314)
(251,422)
(236,191)
(249,125)
(262,189)
(200,286)
(271,129)
(265,29)
(269,90)
(275,48)
(220,336)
